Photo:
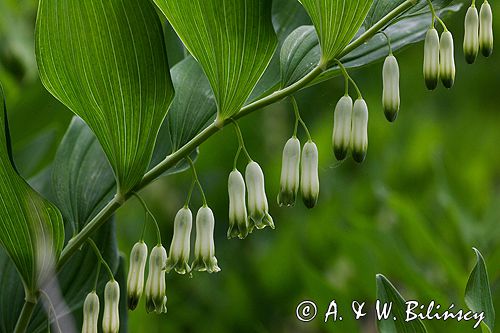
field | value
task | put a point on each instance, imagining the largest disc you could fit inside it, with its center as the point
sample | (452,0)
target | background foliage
(428,191)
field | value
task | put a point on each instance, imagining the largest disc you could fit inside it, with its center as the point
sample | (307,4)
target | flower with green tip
(359,139)
(309,180)
(486,29)
(341,137)
(135,279)
(257,201)
(471,36)
(431,59)
(290,173)
(390,94)
(178,256)
(111,316)
(204,246)
(156,288)
(447,59)
(90,313)
(238,216)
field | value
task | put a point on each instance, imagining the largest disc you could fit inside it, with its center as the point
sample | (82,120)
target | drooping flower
(471,36)
(135,279)
(486,29)
(341,137)
(204,246)
(156,288)
(309,180)
(431,59)
(180,248)
(257,200)
(290,173)
(111,316)
(90,313)
(238,216)
(447,59)
(390,95)
(359,139)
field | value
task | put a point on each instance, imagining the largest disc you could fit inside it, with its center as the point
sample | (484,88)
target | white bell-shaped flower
(111,316)
(238,216)
(486,29)
(178,256)
(90,313)
(290,173)
(309,180)
(471,36)
(359,139)
(390,95)
(341,137)
(135,279)
(156,288)
(431,59)
(257,200)
(447,59)
(204,246)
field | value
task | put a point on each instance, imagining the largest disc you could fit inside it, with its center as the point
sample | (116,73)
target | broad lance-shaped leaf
(388,295)
(233,40)
(29,224)
(106,61)
(478,293)
(336,22)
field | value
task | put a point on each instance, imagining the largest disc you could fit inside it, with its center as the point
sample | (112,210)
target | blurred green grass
(428,192)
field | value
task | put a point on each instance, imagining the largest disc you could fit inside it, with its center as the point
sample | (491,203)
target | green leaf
(380,8)
(388,294)
(336,23)
(478,293)
(28,222)
(194,105)
(82,179)
(106,61)
(233,40)
(300,52)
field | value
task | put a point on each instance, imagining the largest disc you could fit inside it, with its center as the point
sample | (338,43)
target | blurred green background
(428,192)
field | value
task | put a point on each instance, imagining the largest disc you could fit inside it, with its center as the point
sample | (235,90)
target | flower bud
(390,96)
(238,217)
(486,29)
(359,139)
(135,279)
(204,247)
(90,313)
(431,59)
(178,256)
(446,60)
(342,127)
(471,37)
(156,299)
(257,200)
(290,176)
(111,317)
(309,181)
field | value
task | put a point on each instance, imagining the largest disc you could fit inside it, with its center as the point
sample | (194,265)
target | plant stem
(171,160)
(25,316)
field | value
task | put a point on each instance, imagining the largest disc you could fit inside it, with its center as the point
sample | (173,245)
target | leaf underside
(106,61)
(30,226)
(233,40)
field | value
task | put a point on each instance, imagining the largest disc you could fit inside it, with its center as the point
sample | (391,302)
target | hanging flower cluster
(248,203)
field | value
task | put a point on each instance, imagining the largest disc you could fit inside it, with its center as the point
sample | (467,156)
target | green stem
(174,158)
(197,181)
(299,118)
(188,199)
(241,141)
(388,41)
(143,203)
(25,316)
(349,78)
(101,259)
